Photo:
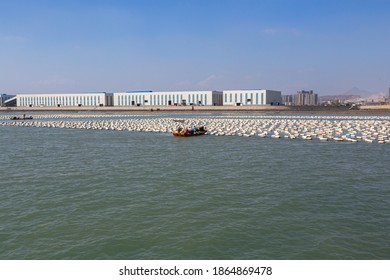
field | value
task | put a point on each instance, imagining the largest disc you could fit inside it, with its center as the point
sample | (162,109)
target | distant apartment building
(304,97)
(388,98)
(288,100)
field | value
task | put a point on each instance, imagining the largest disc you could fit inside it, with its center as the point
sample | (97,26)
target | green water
(94,194)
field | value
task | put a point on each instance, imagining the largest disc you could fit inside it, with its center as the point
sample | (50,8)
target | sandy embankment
(375,107)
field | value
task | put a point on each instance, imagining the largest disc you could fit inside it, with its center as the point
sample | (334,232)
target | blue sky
(72,46)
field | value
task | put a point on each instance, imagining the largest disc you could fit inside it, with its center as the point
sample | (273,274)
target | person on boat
(179,129)
(185,130)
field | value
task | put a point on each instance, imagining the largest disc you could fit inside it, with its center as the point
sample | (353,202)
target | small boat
(22,118)
(190,132)
(182,134)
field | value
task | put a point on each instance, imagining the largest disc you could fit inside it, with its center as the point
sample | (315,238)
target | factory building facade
(252,97)
(61,100)
(166,98)
(5,98)
(151,98)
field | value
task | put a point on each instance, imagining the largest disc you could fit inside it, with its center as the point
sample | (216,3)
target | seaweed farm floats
(368,129)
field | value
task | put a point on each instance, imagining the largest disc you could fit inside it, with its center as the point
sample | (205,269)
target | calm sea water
(87,194)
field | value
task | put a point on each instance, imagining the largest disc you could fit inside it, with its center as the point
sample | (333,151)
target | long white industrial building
(164,98)
(252,97)
(151,98)
(61,99)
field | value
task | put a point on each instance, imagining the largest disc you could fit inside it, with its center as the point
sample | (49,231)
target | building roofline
(60,93)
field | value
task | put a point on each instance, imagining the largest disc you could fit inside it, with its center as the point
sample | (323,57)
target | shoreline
(267,109)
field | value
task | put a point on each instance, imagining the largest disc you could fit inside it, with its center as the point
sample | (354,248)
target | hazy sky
(329,46)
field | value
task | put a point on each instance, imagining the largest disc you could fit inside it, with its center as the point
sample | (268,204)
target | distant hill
(358,92)
(355,95)
(366,96)
(341,97)
(377,97)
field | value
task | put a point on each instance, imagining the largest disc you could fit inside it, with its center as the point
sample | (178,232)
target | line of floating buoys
(77,116)
(369,129)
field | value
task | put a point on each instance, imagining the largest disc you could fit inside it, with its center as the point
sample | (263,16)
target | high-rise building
(288,100)
(304,97)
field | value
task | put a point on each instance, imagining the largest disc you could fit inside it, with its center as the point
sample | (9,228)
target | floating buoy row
(306,129)
(314,117)
(364,129)
(77,116)
(224,116)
